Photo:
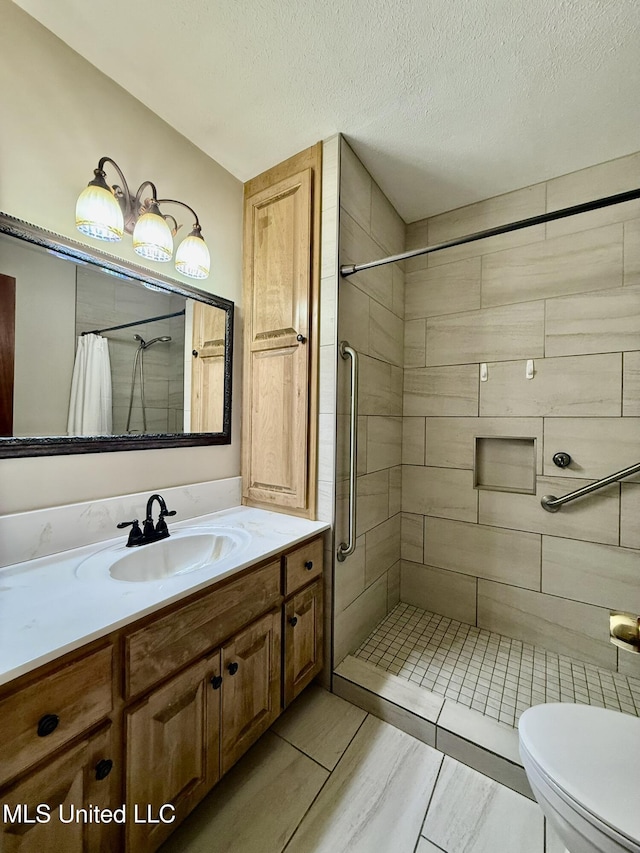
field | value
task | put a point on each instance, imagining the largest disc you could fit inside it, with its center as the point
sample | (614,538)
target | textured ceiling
(445,102)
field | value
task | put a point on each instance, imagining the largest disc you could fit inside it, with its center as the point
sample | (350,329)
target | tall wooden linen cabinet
(281,287)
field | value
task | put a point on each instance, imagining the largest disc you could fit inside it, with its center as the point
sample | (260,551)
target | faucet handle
(136,536)
(164,512)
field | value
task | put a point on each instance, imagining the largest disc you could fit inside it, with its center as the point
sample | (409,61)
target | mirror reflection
(97,354)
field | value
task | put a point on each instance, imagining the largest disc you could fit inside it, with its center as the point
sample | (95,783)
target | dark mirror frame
(62,445)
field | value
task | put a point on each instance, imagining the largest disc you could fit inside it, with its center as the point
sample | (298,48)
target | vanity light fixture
(105,213)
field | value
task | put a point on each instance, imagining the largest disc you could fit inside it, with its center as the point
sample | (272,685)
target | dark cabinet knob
(293,621)
(194,353)
(48,724)
(301,339)
(103,768)
(232,668)
(308,565)
(216,681)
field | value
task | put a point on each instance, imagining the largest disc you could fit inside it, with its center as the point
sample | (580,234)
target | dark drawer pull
(308,565)
(293,621)
(233,668)
(48,724)
(103,768)
(216,681)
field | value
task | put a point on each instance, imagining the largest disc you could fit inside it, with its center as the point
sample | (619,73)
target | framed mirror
(98,354)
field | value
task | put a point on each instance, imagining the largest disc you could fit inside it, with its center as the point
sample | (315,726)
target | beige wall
(59,116)
(370,318)
(568,296)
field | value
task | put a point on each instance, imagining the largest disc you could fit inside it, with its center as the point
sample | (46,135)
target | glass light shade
(192,257)
(98,214)
(152,238)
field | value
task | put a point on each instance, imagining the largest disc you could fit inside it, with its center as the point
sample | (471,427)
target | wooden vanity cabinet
(80,777)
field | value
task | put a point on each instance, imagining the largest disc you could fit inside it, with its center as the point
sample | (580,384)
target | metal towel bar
(552,504)
(345,549)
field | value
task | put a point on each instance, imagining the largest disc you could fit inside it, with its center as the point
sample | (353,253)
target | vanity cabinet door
(172,753)
(83,777)
(251,686)
(302,640)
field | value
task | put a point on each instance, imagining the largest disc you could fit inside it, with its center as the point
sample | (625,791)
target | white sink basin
(184,551)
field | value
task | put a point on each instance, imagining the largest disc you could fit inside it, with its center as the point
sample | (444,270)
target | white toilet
(582,765)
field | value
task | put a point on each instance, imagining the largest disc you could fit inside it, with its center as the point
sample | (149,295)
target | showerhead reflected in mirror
(103,360)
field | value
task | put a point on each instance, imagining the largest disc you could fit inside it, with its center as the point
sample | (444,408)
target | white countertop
(47,609)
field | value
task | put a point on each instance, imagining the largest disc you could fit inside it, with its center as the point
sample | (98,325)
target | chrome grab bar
(552,504)
(345,549)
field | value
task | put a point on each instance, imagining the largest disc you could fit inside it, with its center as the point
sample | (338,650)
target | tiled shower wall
(370,318)
(567,295)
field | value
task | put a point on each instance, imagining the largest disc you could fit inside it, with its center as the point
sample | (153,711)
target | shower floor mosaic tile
(492,674)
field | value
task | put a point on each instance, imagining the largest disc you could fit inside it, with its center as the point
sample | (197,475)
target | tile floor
(492,674)
(330,778)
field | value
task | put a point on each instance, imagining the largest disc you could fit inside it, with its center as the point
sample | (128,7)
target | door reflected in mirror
(91,352)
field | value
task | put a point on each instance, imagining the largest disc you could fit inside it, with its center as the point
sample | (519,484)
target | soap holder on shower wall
(624,631)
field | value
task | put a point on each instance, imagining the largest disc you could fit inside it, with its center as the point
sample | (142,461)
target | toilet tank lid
(592,754)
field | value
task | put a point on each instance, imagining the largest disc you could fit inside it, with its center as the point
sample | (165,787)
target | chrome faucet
(149,533)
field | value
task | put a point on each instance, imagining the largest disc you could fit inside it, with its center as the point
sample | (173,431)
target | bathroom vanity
(145,719)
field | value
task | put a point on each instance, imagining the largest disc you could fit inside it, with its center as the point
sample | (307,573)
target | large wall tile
(413,442)
(607,321)
(358,620)
(387,228)
(448,593)
(492,334)
(599,181)
(356,247)
(439,391)
(384,443)
(397,305)
(415,343)
(385,334)
(393,586)
(598,446)
(632,252)
(372,500)
(493,553)
(353,316)
(349,577)
(382,548)
(412,537)
(443,290)
(490,213)
(451,441)
(586,386)
(355,187)
(630,515)
(589,260)
(596,574)
(416,237)
(593,520)
(443,492)
(380,388)
(395,490)
(631,384)
(568,627)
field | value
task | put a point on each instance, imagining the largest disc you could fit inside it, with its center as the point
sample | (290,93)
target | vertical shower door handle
(345,549)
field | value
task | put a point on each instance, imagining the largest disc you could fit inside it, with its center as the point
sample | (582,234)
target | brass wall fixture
(624,631)
(105,213)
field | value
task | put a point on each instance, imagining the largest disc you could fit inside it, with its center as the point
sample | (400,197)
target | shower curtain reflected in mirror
(90,406)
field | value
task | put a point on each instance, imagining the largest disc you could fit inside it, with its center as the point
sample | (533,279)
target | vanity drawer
(303,565)
(172,641)
(39,718)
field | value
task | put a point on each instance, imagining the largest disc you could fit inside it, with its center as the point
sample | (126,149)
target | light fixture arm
(196,226)
(123,193)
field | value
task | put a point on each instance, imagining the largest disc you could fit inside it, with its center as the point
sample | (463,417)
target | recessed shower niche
(505,464)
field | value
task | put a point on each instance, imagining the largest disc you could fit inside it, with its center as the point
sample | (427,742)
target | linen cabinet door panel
(82,777)
(279,427)
(172,750)
(303,640)
(207,368)
(251,687)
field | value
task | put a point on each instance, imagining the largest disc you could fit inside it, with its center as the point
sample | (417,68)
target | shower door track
(585,207)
